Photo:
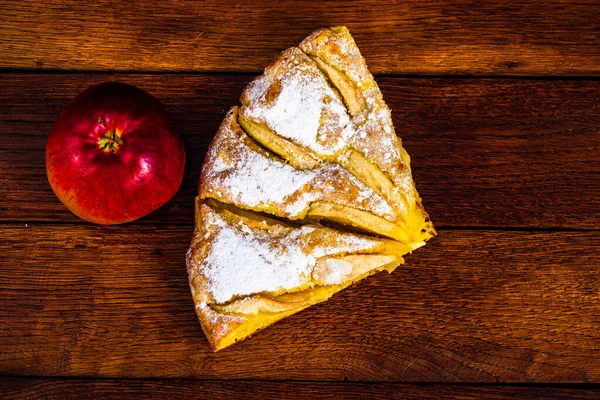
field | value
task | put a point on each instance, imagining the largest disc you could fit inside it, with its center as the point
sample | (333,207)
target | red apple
(114,154)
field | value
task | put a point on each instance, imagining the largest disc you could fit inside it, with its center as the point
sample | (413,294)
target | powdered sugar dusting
(220,165)
(297,103)
(258,182)
(273,259)
(242,263)
(245,175)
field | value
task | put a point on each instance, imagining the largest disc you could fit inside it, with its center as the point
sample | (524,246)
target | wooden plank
(408,37)
(471,306)
(52,388)
(512,153)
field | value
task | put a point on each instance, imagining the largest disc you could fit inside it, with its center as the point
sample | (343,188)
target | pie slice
(248,270)
(305,189)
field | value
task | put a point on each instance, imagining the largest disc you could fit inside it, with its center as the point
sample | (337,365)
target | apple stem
(110,142)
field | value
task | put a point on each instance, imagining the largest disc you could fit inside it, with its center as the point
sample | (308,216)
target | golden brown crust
(211,153)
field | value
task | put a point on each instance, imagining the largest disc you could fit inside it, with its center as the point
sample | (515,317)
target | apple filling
(359,219)
(278,145)
(353,98)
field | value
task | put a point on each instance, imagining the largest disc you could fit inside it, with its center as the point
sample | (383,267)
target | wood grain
(408,37)
(472,305)
(33,389)
(485,152)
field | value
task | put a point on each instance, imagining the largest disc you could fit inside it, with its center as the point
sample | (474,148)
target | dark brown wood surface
(505,143)
(485,152)
(473,305)
(399,37)
(18,388)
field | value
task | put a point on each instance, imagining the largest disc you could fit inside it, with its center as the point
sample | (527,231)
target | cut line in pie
(305,189)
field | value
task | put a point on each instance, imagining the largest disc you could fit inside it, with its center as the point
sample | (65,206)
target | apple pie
(305,189)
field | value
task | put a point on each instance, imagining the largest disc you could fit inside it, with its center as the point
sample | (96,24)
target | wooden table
(499,107)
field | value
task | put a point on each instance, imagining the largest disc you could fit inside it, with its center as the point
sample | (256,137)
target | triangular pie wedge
(305,189)
(248,271)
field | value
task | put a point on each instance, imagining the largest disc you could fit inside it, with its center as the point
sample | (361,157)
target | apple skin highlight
(114,154)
